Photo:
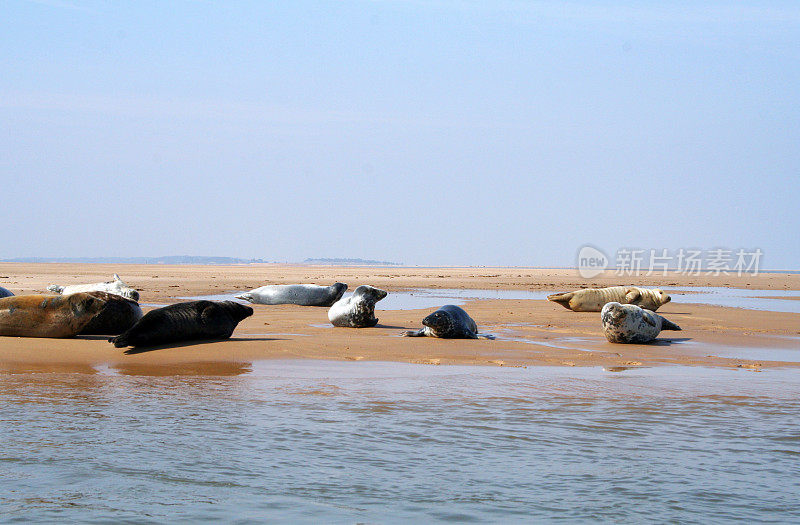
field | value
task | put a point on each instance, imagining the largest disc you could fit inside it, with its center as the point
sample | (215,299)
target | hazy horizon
(427,132)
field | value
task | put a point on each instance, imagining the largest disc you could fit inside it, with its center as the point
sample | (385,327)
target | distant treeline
(355,262)
(170,259)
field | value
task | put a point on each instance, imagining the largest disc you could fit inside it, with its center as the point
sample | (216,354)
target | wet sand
(529,332)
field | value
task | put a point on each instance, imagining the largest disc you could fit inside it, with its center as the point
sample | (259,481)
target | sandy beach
(529,332)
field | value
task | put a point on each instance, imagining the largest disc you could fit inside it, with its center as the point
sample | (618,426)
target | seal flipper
(247,296)
(632,295)
(666,324)
(485,336)
(55,288)
(121,341)
(561,298)
(413,333)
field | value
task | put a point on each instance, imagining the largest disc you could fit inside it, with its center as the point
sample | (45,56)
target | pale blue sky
(425,132)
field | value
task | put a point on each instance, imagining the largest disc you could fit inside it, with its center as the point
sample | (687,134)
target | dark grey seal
(301,294)
(117,315)
(448,322)
(191,321)
(358,310)
(5,292)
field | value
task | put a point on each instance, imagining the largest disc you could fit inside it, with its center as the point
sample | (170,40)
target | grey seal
(5,292)
(302,294)
(47,315)
(358,310)
(448,322)
(628,323)
(194,320)
(117,315)
(115,286)
(593,299)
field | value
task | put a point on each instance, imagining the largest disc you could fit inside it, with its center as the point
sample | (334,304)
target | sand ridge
(529,332)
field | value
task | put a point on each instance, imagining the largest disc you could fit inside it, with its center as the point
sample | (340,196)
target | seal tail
(666,324)
(561,298)
(247,296)
(55,288)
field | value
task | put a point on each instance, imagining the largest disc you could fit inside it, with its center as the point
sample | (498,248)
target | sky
(423,132)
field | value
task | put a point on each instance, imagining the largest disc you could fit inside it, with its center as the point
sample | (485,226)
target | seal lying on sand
(358,310)
(628,323)
(302,294)
(189,321)
(115,286)
(448,322)
(593,299)
(117,315)
(48,315)
(5,292)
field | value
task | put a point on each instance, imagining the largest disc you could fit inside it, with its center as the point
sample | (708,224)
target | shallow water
(788,355)
(423,298)
(770,300)
(385,442)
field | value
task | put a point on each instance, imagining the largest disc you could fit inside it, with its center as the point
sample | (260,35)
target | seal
(302,294)
(117,315)
(593,299)
(47,315)
(188,321)
(448,322)
(5,292)
(628,323)
(358,310)
(115,286)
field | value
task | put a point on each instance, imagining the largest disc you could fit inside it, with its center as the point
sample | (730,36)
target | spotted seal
(115,286)
(593,299)
(117,315)
(302,294)
(358,310)
(5,292)
(48,315)
(448,322)
(190,321)
(628,323)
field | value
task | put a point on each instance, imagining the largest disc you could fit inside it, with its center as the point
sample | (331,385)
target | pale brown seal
(593,299)
(48,315)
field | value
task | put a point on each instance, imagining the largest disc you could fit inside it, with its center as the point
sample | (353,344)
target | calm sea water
(387,442)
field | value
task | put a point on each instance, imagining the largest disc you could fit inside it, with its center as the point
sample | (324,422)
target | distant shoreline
(221,261)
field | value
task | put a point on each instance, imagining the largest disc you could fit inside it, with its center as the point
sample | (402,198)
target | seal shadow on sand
(668,341)
(182,344)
